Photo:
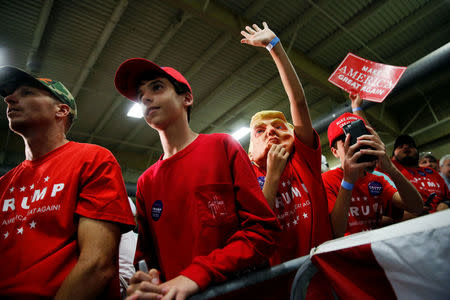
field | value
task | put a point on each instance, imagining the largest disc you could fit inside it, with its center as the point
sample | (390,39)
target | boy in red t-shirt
(63,208)
(357,199)
(287,160)
(202,216)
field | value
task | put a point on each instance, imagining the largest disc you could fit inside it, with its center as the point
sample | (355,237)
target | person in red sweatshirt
(202,216)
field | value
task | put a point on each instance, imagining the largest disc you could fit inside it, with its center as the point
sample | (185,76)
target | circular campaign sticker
(157,209)
(375,188)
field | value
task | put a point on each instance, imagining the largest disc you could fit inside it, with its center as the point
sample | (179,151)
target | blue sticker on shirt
(157,209)
(429,171)
(421,173)
(375,188)
(261,181)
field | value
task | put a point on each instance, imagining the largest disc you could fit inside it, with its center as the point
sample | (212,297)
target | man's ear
(62,110)
(188,99)
(334,151)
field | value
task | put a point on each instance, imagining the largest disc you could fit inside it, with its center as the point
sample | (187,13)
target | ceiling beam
(224,19)
(152,55)
(224,85)
(95,53)
(114,140)
(254,8)
(37,36)
(398,59)
(168,34)
(346,28)
(420,14)
(241,105)
(218,44)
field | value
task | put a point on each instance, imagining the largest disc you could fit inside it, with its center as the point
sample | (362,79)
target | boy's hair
(339,138)
(180,88)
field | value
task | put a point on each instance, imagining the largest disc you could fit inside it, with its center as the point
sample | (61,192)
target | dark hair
(339,138)
(180,88)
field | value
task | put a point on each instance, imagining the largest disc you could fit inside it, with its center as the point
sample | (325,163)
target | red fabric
(371,198)
(335,128)
(202,213)
(427,181)
(355,273)
(131,71)
(300,205)
(41,201)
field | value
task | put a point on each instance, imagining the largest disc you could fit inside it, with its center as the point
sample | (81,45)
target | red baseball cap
(335,128)
(130,72)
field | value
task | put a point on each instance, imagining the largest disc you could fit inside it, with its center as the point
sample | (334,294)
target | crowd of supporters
(206,211)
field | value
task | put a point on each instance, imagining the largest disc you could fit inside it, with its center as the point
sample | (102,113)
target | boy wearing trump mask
(287,159)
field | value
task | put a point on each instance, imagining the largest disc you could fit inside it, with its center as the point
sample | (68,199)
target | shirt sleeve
(307,157)
(332,186)
(388,192)
(102,192)
(255,240)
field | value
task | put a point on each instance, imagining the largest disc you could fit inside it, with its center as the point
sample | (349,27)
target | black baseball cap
(404,139)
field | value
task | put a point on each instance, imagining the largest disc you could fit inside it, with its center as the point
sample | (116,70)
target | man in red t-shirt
(357,199)
(427,181)
(63,208)
(202,216)
(287,160)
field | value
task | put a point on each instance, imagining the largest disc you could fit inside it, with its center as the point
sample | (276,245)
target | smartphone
(357,129)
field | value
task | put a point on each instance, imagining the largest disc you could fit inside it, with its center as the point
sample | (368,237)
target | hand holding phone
(357,129)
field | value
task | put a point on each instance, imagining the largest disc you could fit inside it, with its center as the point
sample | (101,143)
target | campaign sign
(372,81)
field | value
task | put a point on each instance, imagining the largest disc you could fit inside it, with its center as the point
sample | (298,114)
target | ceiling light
(240,133)
(135,111)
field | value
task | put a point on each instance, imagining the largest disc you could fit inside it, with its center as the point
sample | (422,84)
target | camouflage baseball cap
(11,78)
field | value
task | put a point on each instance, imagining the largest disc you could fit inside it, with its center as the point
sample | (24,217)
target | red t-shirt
(202,214)
(371,199)
(300,205)
(41,202)
(428,182)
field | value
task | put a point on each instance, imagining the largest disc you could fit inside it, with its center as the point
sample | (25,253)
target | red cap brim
(130,71)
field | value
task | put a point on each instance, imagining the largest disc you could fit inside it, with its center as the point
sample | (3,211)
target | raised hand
(352,169)
(356,100)
(378,149)
(256,36)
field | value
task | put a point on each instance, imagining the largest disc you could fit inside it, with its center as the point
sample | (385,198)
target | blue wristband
(347,185)
(356,109)
(272,43)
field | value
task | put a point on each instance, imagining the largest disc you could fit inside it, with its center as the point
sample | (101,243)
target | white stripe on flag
(429,222)
(417,264)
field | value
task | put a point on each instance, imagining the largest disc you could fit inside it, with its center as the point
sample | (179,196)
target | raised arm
(299,110)
(97,264)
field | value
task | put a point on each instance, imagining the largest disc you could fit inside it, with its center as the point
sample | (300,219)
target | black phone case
(357,129)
